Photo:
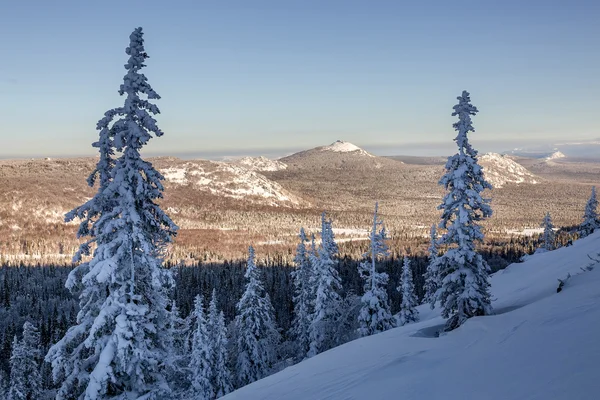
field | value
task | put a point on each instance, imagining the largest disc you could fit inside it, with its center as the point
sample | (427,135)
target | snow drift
(539,345)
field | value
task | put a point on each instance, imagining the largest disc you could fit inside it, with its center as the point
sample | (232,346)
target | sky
(245,77)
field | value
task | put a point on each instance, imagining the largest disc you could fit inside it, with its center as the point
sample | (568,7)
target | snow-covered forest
(121,323)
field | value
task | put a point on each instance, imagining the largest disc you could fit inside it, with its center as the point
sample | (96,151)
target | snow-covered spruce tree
(548,236)
(408,306)
(328,238)
(591,222)
(327,283)
(25,378)
(178,372)
(220,377)
(256,334)
(375,315)
(432,281)
(303,297)
(463,274)
(200,355)
(119,345)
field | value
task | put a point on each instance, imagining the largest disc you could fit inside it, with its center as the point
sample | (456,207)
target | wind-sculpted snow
(539,345)
(230,180)
(500,170)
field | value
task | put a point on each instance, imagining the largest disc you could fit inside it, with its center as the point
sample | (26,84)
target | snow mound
(500,169)
(230,180)
(556,155)
(539,345)
(261,164)
(340,146)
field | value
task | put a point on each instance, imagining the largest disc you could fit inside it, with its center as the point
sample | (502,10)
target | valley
(222,207)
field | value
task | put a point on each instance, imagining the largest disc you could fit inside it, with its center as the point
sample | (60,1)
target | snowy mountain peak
(340,146)
(261,163)
(501,169)
(557,154)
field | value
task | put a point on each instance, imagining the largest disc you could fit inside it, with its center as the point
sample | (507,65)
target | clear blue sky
(266,75)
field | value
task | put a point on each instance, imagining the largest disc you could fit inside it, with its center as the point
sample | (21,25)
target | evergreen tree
(25,378)
(256,335)
(375,315)
(179,350)
(328,238)
(548,236)
(327,283)
(119,345)
(591,222)
(432,279)
(408,307)
(200,355)
(463,274)
(303,297)
(220,376)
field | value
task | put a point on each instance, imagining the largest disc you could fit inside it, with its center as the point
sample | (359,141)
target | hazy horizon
(422,149)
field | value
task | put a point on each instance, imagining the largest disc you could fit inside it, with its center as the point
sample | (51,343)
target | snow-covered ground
(340,146)
(500,170)
(539,345)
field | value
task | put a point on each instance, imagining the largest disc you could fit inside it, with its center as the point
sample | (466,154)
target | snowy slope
(261,164)
(229,180)
(501,169)
(339,146)
(540,345)
(554,156)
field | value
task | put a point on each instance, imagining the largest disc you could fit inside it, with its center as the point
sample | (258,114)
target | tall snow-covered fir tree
(375,315)
(463,274)
(591,222)
(328,238)
(303,297)
(548,236)
(408,306)
(255,332)
(220,377)
(327,283)
(178,372)
(432,279)
(119,345)
(25,378)
(200,356)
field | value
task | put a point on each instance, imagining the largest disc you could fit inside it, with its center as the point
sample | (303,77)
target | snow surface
(557,154)
(262,164)
(539,345)
(340,146)
(500,170)
(230,180)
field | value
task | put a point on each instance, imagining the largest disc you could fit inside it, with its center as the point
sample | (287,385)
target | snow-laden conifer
(432,279)
(548,236)
(25,378)
(256,334)
(119,345)
(303,296)
(408,306)
(220,377)
(464,290)
(178,371)
(326,282)
(328,237)
(591,222)
(375,315)
(200,357)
